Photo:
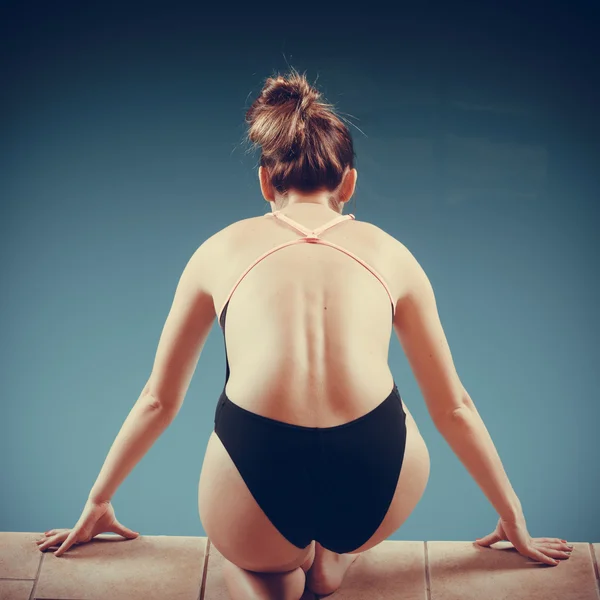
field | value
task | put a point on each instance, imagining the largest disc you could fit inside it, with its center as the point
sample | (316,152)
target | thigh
(234,522)
(412,482)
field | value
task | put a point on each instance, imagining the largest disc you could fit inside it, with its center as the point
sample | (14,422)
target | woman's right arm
(418,327)
(417,324)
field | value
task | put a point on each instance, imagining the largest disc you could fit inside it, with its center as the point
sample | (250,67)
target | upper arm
(420,332)
(184,334)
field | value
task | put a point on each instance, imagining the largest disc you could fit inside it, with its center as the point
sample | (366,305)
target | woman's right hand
(542,549)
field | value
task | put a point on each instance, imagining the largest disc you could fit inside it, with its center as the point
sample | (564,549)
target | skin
(283,572)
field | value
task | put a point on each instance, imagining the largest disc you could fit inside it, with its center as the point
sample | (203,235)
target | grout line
(37,577)
(427,576)
(204,571)
(595,565)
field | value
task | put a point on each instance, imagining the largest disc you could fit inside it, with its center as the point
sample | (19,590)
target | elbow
(462,406)
(461,412)
(454,417)
(150,402)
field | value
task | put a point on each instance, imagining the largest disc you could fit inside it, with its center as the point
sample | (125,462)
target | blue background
(122,150)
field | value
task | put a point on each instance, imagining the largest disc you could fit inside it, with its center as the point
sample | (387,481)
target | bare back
(308,329)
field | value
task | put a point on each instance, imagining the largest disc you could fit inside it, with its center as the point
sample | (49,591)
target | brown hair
(304,145)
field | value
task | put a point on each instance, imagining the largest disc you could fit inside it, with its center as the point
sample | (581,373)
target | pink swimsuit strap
(309,237)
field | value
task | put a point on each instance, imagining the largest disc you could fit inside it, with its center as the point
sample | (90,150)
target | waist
(390,407)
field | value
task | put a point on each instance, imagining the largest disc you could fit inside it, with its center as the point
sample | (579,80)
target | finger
(551,540)
(531,552)
(54,531)
(52,541)
(491,538)
(124,531)
(71,539)
(558,554)
(556,546)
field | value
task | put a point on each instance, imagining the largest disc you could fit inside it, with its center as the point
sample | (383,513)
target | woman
(313,459)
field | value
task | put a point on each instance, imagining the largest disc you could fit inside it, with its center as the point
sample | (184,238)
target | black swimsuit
(329,484)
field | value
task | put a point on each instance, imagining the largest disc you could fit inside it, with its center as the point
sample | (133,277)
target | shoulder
(208,255)
(403,268)
(217,239)
(393,247)
(386,243)
(236,228)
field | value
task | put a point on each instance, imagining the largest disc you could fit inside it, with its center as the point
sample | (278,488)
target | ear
(266,188)
(348,185)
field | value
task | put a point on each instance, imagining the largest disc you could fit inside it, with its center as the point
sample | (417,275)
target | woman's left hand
(96,518)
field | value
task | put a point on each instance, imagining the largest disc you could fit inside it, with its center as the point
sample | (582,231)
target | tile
(15,590)
(214,587)
(464,571)
(19,555)
(390,570)
(378,574)
(113,568)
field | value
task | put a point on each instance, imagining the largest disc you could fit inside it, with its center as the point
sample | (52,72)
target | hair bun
(304,145)
(296,89)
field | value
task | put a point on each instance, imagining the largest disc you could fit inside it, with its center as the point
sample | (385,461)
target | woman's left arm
(181,342)
(184,334)
(142,427)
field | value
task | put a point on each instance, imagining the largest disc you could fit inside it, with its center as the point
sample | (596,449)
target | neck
(308,206)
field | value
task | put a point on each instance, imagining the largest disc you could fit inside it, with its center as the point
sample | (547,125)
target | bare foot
(328,570)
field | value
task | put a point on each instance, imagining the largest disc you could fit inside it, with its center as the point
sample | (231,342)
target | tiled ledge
(189,568)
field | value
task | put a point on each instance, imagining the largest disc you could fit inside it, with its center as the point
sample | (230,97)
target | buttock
(348,472)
